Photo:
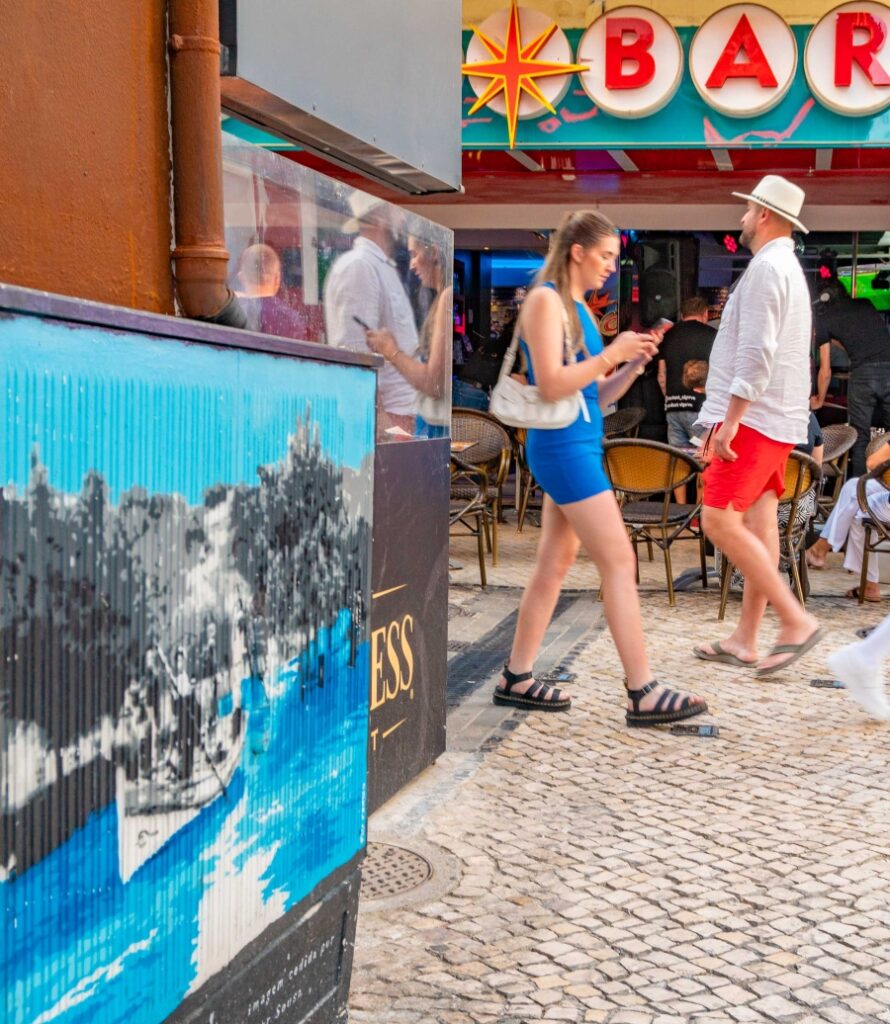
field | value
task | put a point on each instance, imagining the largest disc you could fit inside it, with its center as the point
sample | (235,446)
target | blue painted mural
(184,559)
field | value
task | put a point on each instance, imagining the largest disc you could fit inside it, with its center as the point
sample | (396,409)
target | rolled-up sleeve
(758,332)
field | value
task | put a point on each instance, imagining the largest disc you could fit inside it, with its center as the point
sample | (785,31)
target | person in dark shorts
(859,329)
(689,340)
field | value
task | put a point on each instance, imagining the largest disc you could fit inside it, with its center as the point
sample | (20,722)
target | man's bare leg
(761,520)
(751,541)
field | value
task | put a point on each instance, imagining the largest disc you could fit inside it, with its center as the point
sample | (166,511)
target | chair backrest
(881,474)
(642,468)
(801,473)
(875,443)
(623,422)
(838,438)
(491,440)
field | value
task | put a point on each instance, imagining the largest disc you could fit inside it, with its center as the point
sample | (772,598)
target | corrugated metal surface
(184,549)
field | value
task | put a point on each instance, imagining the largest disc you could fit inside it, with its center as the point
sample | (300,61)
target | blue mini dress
(568,462)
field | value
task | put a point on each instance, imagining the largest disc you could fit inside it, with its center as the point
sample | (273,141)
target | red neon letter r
(863,52)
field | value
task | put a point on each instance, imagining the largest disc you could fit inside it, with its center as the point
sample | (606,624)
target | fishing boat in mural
(187,743)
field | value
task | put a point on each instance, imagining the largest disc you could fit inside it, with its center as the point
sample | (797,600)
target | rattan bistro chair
(490,453)
(623,422)
(644,475)
(877,533)
(526,485)
(838,438)
(802,473)
(467,506)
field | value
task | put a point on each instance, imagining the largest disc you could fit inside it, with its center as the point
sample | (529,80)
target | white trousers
(845,524)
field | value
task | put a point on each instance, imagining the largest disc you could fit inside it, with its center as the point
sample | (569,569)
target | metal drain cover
(391,870)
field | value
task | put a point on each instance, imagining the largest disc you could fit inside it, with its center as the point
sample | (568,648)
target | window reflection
(313,260)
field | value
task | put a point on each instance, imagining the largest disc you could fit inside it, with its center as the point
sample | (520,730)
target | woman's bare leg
(597,522)
(556,553)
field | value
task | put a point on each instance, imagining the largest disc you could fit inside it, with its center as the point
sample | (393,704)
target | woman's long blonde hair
(584,228)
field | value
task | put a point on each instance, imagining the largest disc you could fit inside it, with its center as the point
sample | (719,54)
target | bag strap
(510,354)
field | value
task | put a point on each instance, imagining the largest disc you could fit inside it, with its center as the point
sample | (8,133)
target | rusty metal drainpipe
(200,259)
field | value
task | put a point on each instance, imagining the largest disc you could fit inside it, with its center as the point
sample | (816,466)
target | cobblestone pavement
(640,877)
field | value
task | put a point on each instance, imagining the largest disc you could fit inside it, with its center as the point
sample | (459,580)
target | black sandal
(666,709)
(537,696)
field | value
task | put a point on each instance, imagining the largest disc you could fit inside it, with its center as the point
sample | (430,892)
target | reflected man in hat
(363,291)
(757,409)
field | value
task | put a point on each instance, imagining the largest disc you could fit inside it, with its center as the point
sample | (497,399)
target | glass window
(316,260)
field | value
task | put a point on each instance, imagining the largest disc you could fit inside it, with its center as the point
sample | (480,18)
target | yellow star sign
(514,68)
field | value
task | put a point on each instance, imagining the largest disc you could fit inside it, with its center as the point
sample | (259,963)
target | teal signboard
(799,120)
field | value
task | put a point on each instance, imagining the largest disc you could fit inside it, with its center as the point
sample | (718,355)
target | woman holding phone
(579,506)
(426,371)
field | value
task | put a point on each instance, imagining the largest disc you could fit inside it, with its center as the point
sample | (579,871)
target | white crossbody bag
(521,405)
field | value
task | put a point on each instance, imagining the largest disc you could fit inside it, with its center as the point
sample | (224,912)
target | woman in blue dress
(579,506)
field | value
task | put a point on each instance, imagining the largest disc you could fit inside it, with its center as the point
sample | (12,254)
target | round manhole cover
(391,870)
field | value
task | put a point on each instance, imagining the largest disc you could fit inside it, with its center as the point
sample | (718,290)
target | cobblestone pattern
(638,877)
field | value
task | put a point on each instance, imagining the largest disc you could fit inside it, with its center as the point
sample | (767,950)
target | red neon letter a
(636,49)
(863,53)
(756,66)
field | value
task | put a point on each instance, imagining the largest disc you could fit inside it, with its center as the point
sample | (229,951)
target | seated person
(688,341)
(844,525)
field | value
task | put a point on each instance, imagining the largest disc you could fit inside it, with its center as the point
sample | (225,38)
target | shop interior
(658,269)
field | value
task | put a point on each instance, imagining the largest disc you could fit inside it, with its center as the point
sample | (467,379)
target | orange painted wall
(84,144)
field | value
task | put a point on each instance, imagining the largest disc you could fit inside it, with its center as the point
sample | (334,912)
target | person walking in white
(757,406)
(363,292)
(860,668)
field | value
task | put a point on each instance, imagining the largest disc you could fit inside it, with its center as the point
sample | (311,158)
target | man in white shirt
(757,406)
(362,292)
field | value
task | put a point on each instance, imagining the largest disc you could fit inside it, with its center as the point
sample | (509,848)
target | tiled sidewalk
(635,877)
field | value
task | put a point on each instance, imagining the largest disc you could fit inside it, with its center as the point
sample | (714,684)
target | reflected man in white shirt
(363,291)
(757,404)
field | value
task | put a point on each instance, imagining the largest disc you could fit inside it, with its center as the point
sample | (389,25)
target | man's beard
(746,238)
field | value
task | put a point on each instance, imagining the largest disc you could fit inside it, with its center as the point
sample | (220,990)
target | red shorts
(760,467)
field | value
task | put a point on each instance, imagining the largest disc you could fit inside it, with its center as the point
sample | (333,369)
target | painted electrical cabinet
(185,529)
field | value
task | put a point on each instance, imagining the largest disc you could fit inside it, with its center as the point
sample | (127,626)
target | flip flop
(795,650)
(717,654)
(854,594)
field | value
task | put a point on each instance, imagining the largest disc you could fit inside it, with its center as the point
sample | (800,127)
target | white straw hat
(361,204)
(779,195)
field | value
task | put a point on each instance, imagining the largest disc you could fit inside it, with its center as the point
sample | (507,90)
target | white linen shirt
(762,349)
(364,283)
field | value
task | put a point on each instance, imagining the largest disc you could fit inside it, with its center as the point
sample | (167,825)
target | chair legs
(863,575)
(525,486)
(795,575)
(672,601)
(633,541)
(480,545)
(725,581)
(704,561)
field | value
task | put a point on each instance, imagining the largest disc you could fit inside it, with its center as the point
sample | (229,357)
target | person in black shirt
(860,330)
(689,340)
